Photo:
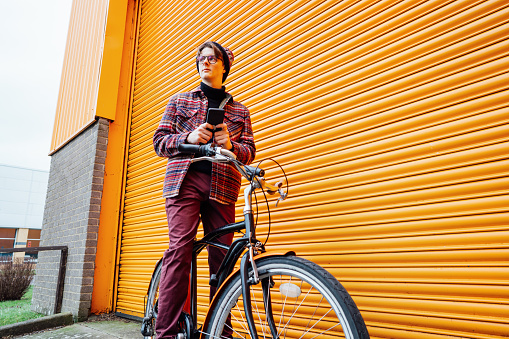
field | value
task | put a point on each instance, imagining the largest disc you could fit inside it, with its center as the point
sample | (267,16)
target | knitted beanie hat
(227,59)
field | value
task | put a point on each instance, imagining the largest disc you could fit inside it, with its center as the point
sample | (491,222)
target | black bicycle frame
(234,252)
(227,265)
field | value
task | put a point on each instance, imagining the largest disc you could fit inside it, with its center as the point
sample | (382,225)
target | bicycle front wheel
(295,299)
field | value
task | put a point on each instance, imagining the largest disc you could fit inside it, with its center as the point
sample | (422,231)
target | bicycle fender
(231,276)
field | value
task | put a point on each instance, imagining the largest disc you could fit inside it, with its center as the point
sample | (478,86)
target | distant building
(22,197)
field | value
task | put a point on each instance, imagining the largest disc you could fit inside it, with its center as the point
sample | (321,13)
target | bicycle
(271,295)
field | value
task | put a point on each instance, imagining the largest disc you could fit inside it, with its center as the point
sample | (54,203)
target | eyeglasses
(211,58)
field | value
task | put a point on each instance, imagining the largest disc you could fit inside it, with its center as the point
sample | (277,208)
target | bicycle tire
(152,298)
(331,315)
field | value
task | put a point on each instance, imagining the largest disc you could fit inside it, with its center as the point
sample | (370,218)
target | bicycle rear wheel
(151,309)
(304,301)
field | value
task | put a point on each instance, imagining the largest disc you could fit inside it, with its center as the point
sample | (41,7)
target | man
(201,188)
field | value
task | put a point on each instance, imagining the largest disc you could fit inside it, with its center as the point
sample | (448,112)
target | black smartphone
(215,116)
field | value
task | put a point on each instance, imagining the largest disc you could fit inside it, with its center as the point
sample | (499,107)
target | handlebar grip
(259,172)
(205,150)
(188,148)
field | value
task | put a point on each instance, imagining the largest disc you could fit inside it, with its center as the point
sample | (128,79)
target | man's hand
(222,136)
(202,134)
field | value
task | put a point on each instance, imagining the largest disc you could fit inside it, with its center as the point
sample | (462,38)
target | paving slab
(110,329)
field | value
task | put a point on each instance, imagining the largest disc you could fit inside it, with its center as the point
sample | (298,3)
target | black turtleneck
(214,97)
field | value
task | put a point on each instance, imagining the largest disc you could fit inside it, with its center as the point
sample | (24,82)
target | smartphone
(215,116)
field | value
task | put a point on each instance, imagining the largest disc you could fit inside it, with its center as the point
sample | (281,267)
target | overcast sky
(33,34)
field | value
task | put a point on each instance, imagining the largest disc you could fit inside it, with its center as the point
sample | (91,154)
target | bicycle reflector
(290,290)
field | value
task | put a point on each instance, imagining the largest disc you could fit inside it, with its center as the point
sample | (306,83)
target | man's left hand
(222,136)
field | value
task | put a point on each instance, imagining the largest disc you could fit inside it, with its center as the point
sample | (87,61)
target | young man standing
(204,189)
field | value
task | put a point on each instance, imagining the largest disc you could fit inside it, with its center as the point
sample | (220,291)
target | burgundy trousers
(183,214)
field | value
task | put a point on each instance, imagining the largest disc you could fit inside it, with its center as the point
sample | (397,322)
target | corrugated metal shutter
(390,119)
(80,73)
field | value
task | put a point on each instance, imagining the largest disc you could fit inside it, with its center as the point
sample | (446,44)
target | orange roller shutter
(391,121)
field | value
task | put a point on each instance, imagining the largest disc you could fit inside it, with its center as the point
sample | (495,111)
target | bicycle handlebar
(254,175)
(204,150)
(208,150)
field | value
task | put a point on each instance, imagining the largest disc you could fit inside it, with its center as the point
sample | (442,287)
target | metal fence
(61,272)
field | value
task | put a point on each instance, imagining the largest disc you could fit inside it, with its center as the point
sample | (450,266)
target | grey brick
(71,217)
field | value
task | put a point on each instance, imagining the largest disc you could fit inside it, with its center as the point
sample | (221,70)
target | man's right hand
(201,135)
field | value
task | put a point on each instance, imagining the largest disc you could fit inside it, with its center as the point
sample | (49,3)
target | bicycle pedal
(146,327)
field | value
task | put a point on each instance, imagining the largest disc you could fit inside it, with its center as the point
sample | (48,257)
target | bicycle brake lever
(274,189)
(282,196)
(227,153)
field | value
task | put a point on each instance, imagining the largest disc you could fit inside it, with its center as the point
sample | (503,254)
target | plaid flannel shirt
(183,114)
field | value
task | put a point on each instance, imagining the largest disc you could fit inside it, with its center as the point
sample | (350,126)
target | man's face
(211,74)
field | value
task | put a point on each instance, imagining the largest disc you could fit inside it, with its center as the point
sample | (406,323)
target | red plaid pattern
(184,113)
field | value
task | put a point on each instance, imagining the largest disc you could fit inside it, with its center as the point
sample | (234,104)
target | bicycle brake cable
(253,178)
(265,196)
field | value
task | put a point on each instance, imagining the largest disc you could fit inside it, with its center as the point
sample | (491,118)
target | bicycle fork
(246,282)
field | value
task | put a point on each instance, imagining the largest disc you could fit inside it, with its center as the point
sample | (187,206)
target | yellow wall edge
(111,60)
(118,103)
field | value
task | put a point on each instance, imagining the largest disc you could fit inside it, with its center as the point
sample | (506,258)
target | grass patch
(15,311)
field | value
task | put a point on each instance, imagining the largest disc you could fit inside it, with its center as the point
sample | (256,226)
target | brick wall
(71,217)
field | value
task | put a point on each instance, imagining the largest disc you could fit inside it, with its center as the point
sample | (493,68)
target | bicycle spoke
(295,303)
(312,316)
(283,304)
(235,331)
(215,336)
(243,324)
(267,305)
(262,325)
(295,310)
(330,328)
(330,309)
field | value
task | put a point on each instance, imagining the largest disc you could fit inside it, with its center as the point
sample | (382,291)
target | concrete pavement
(104,326)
